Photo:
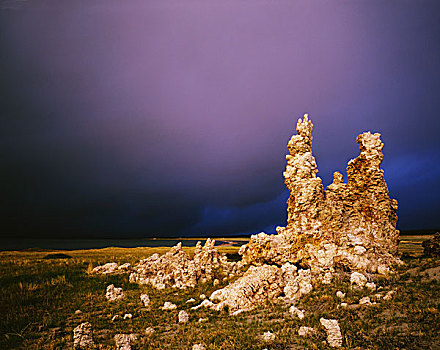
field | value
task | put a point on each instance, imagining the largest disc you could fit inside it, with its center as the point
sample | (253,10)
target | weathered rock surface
(114,293)
(82,336)
(334,336)
(125,341)
(431,247)
(350,225)
(176,269)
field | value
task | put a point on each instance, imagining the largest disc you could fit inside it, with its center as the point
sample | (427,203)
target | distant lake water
(74,244)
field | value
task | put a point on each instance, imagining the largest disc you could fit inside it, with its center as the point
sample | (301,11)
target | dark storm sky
(150,118)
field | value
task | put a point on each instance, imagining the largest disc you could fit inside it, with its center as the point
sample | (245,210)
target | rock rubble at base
(82,336)
(262,283)
(305,331)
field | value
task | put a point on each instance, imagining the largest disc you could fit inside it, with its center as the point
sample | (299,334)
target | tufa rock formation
(176,269)
(350,225)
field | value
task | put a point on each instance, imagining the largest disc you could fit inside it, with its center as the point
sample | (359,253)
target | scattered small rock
(204,303)
(78,312)
(198,347)
(106,268)
(370,285)
(334,336)
(125,341)
(296,312)
(201,320)
(389,295)
(340,294)
(304,331)
(128,316)
(216,282)
(358,279)
(268,337)
(365,301)
(344,304)
(202,297)
(114,293)
(169,306)
(115,317)
(149,331)
(145,300)
(192,300)
(82,336)
(183,316)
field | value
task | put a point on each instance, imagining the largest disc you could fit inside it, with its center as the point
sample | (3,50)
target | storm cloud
(172,117)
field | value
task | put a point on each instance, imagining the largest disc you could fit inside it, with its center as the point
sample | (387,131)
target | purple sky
(149,118)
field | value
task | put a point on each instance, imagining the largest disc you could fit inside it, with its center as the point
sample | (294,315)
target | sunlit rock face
(349,225)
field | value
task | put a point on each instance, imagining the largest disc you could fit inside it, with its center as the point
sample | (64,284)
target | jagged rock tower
(352,225)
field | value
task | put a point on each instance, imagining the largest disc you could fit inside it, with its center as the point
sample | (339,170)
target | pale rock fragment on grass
(202,296)
(114,293)
(268,337)
(82,336)
(216,282)
(192,300)
(106,268)
(149,331)
(305,331)
(389,295)
(169,306)
(294,311)
(327,279)
(383,270)
(340,294)
(183,316)
(78,312)
(365,301)
(145,300)
(201,320)
(371,285)
(334,336)
(125,341)
(238,312)
(198,347)
(204,303)
(114,318)
(358,279)
(128,316)
(344,304)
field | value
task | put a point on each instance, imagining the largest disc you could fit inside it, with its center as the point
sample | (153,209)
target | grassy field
(39,297)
